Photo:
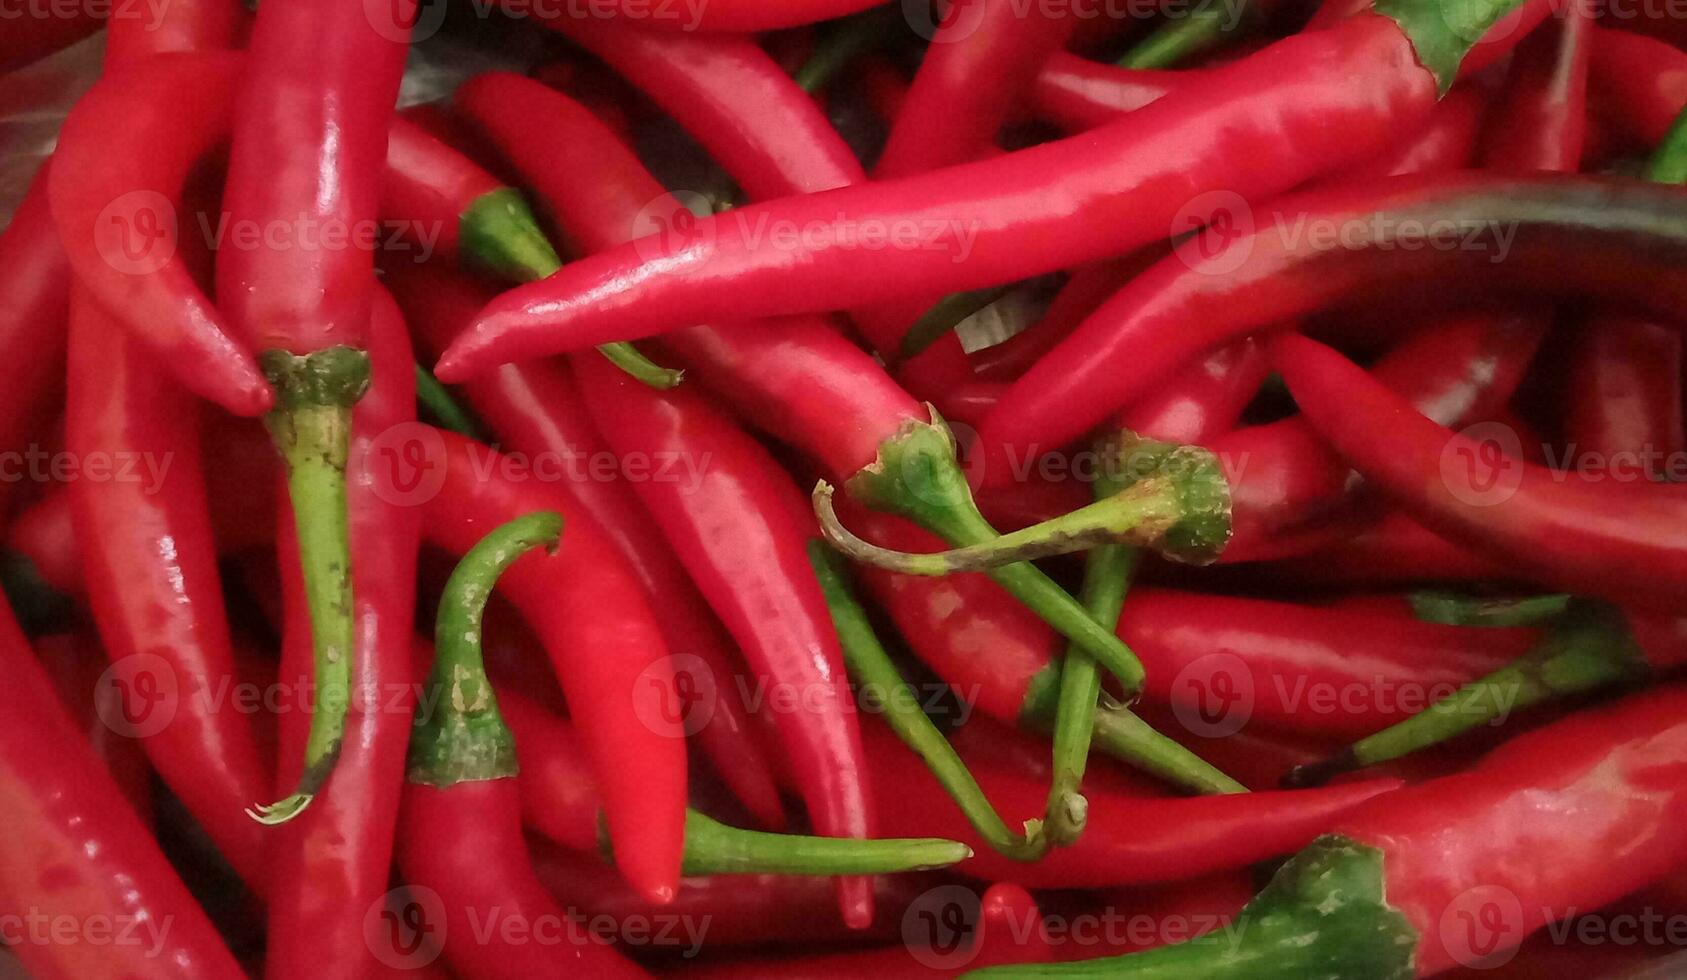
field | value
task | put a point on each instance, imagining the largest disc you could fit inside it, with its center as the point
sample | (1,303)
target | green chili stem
(1450,609)
(944,316)
(1587,653)
(879,681)
(1669,161)
(311,427)
(1324,914)
(443,407)
(464,738)
(713,848)
(1122,735)
(918,477)
(1178,41)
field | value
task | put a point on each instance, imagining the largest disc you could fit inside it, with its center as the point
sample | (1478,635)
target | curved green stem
(944,316)
(1178,41)
(713,848)
(918,477)
(465,739)
(1324,914)
(1588,652)
(878,679)
(1451,609)
(849,40)
(1121,734)
(499,233)
(445,409)
(311,427)
(1181,510)
(1669,161)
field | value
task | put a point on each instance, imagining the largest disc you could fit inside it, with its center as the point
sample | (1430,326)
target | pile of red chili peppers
(827,488)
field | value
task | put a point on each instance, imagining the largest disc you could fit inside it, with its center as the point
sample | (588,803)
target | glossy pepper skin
(832,399)
(1172,312)
(1076,94)
(1128,840)
(1127,180)
(334,863)
(79,851)
(603,639)
(1246,660)
(1616,540)
(742,530)
(535,408)
(460,830)
(1398,888)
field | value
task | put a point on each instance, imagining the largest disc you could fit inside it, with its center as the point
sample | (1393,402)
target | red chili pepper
(34,31)
(603,639)
(460,831)
(1000,219)
(1606,539)
(1638,83)
(75,663)
(799,378)
(34,289)
(1085,289)
(79,854)
(1128,840)
(741,529)
(309,139)
(537,410)
(1542,124)
(1446,141)
(320,895)
(1394,550)
(1597,791)
(1077,94)
(1625,397)
(1173,311)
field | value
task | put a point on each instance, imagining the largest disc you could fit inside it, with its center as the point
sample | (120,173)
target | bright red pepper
(34,289)
(1446,141)
(319,895)
(1174,311)
(741,528)
(1128,839)
(1618,540)
(1393,550)
(1401,886)
(1542,123)
(1077,94)
(536,409)
(1085,289)
(799,378)
(586,606)
(1638,83)
(1230,661)
(75,663)
(1624,405)
(460,830)
(79,853)
(1286,114)
(309,140)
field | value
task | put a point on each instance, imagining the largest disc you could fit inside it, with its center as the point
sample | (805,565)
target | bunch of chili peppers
(1077,463)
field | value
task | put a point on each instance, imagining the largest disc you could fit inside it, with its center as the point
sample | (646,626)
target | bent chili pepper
(460,831)
(1128,839)
(319,895)
(820,391)
(1375,898)
(1613,540)
(1591,648)
(79,851)
(605,646)
(309,140)
(1563,236)
(1288,113)
(1305,668)
(536,409)
(740,529)
(557,799)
